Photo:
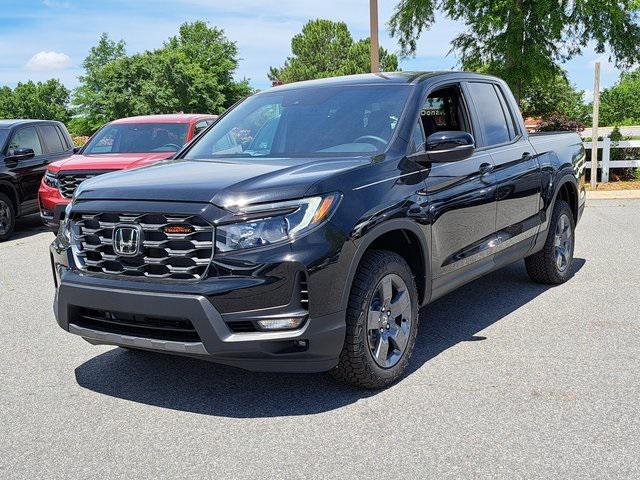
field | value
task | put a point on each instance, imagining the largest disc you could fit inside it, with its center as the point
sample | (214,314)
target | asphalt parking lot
(509,379)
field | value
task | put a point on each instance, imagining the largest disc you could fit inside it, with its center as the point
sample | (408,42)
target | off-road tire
(542,266)
(356,365)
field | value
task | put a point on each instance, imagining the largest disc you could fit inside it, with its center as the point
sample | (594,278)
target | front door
(28,171)
(461,196)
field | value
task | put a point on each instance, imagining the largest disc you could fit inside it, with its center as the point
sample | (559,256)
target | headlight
(51,179)
(275,222)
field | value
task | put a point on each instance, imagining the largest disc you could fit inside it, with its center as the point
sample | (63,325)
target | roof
(383,78)
(364,79)
(166,118)
(8,123)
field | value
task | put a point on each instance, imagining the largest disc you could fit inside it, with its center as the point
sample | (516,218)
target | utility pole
(373,23)
(594,126)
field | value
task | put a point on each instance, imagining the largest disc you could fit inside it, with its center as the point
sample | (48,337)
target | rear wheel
(552,264)
(7,217)
(382,322)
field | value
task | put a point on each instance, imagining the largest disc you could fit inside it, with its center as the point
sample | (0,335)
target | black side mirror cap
(76,150)
(447,146)
(21,154)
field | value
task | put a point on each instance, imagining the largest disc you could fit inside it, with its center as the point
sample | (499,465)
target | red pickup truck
(124,143)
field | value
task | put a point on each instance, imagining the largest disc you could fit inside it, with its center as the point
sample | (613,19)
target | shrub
(555,123)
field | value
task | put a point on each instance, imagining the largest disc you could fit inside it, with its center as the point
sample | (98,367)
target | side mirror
(21,154)
(76,149)
(447,146)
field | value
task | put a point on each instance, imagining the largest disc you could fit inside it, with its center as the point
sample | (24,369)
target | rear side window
(493,122)
(199,127)
(64,136)
(25,138)
(52,140)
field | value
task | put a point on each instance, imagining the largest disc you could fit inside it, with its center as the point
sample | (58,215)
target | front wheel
(382,322)
(552,264)
(7,217)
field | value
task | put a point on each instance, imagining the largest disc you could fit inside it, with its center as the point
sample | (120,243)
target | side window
(64,138)
(444,110)
(511,122)
(52,141)
(493,122)
(199,127)
(25,138)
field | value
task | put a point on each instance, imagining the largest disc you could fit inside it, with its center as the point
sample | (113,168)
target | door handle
(526,154)
(485,168)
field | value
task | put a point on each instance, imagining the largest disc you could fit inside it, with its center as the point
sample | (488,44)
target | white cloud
(49,61)
(56,4)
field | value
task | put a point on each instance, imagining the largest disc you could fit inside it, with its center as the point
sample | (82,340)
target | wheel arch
(9,190)
(396,235)
(567,190)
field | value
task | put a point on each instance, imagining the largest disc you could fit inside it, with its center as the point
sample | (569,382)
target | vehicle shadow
(202,387)
(27,226)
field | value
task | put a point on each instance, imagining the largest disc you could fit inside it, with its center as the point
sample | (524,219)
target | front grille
(143,326)
(68,182)
(176,256)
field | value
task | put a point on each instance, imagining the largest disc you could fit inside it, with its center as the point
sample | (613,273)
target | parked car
(121,144)
(26,147)
(305,229)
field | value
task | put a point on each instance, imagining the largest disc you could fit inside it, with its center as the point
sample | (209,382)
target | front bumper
(214,305)
(52,206)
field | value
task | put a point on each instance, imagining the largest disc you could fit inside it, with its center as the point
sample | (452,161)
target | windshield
(320,121)
(3,137)
(138,138)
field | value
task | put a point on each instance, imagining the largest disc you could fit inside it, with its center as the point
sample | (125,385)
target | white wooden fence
(604,157)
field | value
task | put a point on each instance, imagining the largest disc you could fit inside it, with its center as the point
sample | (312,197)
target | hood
(108,161)
(219,182)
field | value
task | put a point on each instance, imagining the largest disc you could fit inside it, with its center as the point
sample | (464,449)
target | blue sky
(41,39)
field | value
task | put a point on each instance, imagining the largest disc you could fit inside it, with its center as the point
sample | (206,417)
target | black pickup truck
(306,227)
(26,148)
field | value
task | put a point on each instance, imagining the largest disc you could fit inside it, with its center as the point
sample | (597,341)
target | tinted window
(199,127)
(25,138)
(319,121)
(443,110)
(52,141)
(493,123)
(65,139)
(513,129)
(138,138)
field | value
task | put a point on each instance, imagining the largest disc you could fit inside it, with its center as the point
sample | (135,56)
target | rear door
(517,172)
(54,142)
(29,171)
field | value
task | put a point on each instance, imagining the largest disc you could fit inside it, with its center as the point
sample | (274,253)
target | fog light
(280,323)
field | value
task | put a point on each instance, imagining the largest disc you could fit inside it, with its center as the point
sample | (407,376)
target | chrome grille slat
(164,255)
(68,182)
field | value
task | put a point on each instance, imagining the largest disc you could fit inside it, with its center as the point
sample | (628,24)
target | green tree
(6,97)
(191,72)
(327,49)
(554,96)
(524,41)
(620,104)
(39,100)
(89,100)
